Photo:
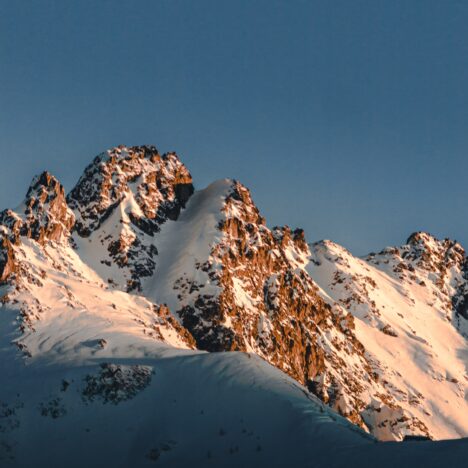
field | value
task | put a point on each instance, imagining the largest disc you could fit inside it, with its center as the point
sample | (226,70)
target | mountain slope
(133,264)
(183,409)
(237,285)
(402,300)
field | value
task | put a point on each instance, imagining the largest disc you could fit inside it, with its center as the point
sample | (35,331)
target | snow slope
(189,240)
(223,410)
(408,332)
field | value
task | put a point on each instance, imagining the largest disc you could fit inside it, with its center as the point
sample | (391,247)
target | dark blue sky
(348,118)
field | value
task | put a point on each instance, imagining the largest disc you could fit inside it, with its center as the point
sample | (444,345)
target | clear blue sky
(348,118)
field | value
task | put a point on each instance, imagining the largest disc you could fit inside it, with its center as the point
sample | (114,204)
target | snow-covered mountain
(406,303)
(111,296)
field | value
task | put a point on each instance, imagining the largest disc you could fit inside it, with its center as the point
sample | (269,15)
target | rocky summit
(134,269)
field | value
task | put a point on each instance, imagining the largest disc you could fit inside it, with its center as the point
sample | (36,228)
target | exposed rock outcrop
(159,184)
(7,259)
(44,214)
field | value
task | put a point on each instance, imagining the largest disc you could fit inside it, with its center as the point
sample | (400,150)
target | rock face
(136,252)
(7,259)
(44,214)
(160,186)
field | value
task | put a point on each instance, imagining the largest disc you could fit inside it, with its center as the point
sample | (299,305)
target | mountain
(112,295)
(406,302)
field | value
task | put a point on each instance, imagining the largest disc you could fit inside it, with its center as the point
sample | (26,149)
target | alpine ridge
(134,272)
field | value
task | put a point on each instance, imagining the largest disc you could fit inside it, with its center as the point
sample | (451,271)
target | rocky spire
(44,214)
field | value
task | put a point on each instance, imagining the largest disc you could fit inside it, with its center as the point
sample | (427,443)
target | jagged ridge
(131,224)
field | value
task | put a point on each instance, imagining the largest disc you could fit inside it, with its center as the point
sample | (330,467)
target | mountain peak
(426,239)
(430,251)
(44,214)
(44,180)
(121,201)
(122,152)
(159,186)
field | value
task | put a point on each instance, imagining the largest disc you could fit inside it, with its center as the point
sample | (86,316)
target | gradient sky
(347,118)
